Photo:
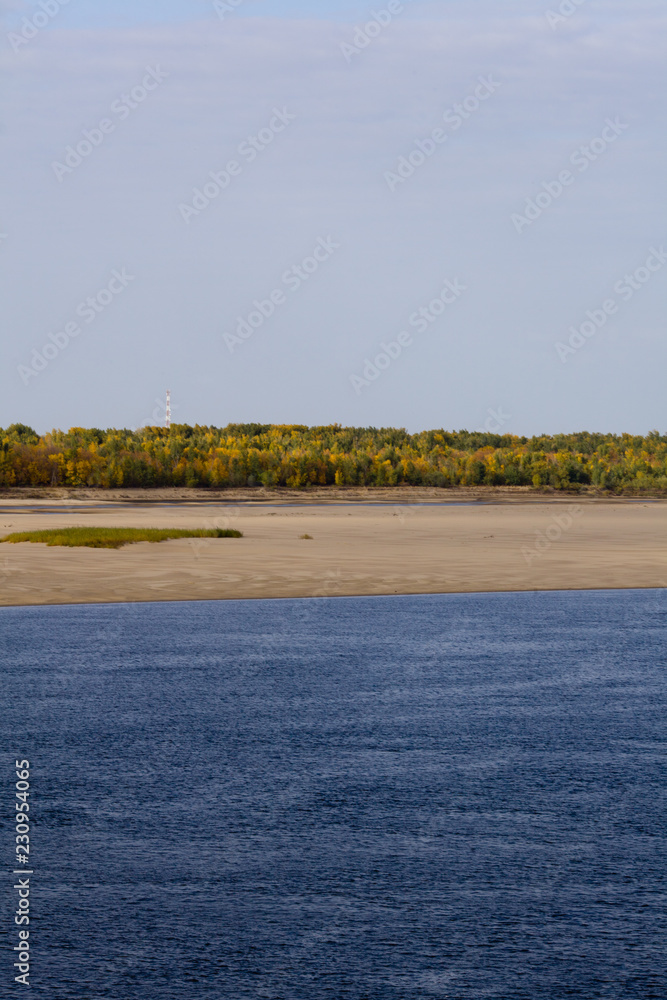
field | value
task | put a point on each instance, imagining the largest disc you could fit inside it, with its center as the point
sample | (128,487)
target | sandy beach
(355,549)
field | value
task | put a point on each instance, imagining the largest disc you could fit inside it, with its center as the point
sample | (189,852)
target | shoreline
(335,597)
(322,495)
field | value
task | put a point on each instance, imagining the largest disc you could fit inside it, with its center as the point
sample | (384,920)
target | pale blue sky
(125,13)
(331,174)
(114,13)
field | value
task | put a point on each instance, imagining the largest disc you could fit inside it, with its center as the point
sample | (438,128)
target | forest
(300,457)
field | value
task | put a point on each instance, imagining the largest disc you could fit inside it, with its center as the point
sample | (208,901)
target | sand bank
(394,548)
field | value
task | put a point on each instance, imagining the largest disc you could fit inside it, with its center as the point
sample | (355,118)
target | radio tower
(167,415)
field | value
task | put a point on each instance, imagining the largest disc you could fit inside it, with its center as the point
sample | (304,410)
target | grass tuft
(114,538)
(306,536)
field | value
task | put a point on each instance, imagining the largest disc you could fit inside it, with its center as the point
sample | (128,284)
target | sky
(440,214)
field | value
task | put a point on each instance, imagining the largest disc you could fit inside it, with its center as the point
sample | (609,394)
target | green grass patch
(114,538)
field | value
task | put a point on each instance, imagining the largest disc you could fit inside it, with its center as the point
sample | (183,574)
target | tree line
(299,457)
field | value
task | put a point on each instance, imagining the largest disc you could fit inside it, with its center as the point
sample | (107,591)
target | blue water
(379,798)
